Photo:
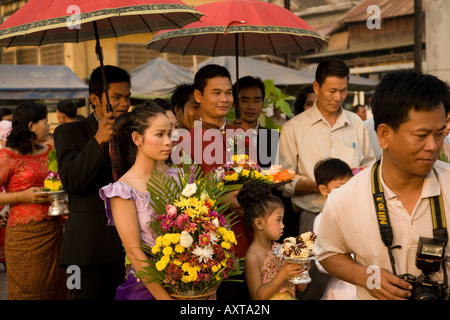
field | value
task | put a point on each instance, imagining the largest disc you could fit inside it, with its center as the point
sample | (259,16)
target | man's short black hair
(331,68)
(181,95)
(249,82)
(400,91)
(208,72)
(67,107)
(113,75)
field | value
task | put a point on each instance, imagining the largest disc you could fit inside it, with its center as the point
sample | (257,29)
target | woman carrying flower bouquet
(267,276)
(147,131)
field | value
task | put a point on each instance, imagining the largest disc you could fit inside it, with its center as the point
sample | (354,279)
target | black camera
(430,254)
(424,288)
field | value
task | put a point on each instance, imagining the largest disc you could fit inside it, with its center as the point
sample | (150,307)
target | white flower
(238,169)
(204,195)
(218,173)
(216,222)
(189,190)
(204,253)
(213,237)
(186,239)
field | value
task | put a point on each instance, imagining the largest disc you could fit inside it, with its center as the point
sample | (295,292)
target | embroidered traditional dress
(33,239)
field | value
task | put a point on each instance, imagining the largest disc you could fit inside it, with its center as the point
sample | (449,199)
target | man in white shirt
(409,113)
(326,130)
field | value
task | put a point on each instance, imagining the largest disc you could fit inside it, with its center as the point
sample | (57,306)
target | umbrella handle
(99,52)
(237,95)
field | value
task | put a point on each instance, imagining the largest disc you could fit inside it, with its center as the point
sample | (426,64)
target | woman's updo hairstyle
(21,137)
(257,200)
(138,119)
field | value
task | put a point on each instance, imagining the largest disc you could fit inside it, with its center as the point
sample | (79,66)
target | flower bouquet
(52,182)
(238,171)
(193,253)
(53,188)
(278,175)
(298,250)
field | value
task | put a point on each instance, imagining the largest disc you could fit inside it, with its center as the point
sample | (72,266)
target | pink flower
(166,223)
(185,224)
(204,239)
(171,210)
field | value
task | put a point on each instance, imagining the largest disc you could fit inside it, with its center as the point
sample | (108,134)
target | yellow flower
(225,245)
(215,268)
(166,240)
(174,238)
(155,249)
(179,248)
(158,241)
(191,273)
(165,259)
(231,177)
(160,265)
(167,251)
(177,262)
(245,172)
(239,158)
(52,185)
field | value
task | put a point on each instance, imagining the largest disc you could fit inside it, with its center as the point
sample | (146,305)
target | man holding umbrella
(88,159)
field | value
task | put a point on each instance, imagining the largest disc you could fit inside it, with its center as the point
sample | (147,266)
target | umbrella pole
(99,52)
(236,103)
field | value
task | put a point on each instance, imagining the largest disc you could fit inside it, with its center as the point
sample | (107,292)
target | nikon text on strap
(437,214)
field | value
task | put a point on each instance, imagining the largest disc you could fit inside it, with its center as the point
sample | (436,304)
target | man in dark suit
(85,165)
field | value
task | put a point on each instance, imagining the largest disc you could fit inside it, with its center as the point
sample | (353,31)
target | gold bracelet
(15,197)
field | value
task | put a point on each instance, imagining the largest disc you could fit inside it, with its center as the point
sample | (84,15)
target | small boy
(330,174)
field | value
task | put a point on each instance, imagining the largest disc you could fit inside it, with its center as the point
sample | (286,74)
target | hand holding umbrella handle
(99,52)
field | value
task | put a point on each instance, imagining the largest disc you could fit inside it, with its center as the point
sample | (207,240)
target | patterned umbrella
(240,28)
(41,22)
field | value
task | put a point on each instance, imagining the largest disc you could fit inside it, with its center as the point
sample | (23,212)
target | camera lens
(423,293)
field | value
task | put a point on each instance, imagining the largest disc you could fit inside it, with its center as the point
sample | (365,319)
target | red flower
(204,239)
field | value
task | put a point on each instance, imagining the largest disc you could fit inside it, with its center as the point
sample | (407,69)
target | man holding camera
(397,228)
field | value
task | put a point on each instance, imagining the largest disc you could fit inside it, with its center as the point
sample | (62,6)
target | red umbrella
(240,28)
(41,22)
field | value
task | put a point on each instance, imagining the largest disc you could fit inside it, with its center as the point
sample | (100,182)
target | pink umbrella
(240,28)
(41,22)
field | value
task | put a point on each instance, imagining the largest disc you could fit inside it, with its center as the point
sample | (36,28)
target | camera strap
(437,214)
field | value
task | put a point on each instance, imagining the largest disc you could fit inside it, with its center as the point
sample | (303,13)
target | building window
(8,57)
(52,54)
(130,56)
(27,56)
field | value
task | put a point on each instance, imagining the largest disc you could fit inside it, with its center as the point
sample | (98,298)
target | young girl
(266,274)
(127,201)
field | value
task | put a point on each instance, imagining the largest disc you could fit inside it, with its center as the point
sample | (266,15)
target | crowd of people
(106,160)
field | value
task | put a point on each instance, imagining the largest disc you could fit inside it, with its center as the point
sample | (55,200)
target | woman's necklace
(139,176)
